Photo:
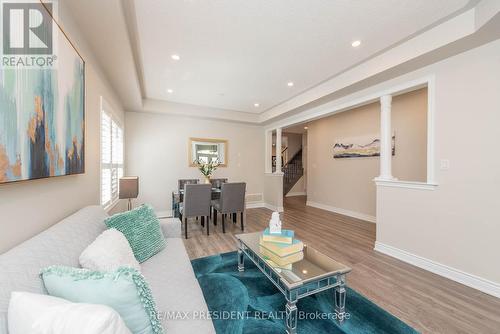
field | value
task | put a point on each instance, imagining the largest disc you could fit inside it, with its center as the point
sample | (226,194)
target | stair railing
(293,168)
(283,159)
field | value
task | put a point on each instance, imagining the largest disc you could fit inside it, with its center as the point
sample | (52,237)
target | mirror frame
(210,140)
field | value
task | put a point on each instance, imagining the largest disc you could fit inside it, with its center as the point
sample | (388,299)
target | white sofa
(169,273)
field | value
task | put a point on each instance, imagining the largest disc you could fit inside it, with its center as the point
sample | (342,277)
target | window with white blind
(111,157)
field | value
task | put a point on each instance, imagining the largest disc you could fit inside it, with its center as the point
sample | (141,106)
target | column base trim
(253,205)
(405,184)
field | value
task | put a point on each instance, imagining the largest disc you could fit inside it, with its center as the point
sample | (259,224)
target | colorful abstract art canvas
(360,147)
(42,116)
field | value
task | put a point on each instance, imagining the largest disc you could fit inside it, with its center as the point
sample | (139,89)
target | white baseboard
(456,275)
(253,205)
(296,193)
(353,214)
(164,214)
(273,207)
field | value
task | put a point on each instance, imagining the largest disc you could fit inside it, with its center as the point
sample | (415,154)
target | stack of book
(281,250)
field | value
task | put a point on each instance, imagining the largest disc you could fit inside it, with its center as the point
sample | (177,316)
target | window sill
(405,184)
(111,206)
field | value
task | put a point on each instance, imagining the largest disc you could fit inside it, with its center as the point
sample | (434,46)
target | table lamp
(129,188)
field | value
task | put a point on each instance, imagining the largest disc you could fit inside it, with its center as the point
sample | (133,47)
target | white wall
(273,192)
(157,147)
(457,224)
(27,208)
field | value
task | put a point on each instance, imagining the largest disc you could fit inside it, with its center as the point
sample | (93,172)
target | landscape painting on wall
(360,147)
(42,116)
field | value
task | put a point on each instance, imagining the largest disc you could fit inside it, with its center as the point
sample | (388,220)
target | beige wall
(27,208)
(347,184)
(409,123)
(156,151)
(458,223)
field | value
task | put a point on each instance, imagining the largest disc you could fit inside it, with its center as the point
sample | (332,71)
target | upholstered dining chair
(177,197)
(196,203)
(231,202)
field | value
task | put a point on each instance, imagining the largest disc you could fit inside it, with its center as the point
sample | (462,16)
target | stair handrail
(294,156)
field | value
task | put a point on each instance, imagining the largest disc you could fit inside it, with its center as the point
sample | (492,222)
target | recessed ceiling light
(355,44)
(175,57)
(170,91)
(256,105)
(290,84)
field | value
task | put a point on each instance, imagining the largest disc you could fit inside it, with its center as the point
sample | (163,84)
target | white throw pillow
(80,318)
(25,308)
(31,313)
(108,252)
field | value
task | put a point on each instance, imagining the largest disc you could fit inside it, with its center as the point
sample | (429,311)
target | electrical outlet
(444,164)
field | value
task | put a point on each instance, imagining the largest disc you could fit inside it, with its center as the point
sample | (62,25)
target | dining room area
(203,203)
(209,202)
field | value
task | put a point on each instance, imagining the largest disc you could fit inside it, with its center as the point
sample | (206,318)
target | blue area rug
(249,303)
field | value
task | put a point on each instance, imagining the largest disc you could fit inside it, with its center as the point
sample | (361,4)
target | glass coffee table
(316,272)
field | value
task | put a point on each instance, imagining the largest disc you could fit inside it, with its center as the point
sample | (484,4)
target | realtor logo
(28,34)
(27,29)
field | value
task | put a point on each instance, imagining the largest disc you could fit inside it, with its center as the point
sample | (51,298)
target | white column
(268,142)
(385,138)
(278,151)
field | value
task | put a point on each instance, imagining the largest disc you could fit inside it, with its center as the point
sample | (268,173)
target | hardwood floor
(427,302)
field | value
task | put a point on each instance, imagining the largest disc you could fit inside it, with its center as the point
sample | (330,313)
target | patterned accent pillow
(142,229)
(124,290)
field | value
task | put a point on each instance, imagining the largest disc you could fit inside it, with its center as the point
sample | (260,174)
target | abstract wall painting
(42,117)
(360,147)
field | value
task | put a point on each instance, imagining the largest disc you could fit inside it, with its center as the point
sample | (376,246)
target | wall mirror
(207,150)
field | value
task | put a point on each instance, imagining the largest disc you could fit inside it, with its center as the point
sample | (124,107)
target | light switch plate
(445,164)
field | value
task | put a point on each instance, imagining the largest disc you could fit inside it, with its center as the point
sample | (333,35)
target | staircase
(293,171)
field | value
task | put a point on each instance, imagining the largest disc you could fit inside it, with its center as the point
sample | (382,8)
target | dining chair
(177,196)
(217,183)
(232,201)
(196,203)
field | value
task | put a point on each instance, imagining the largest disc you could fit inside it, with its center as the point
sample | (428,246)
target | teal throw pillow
(124,290)
(142,229)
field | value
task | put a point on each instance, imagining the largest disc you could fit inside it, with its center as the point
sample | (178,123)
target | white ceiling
(299,128)
(235,53)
